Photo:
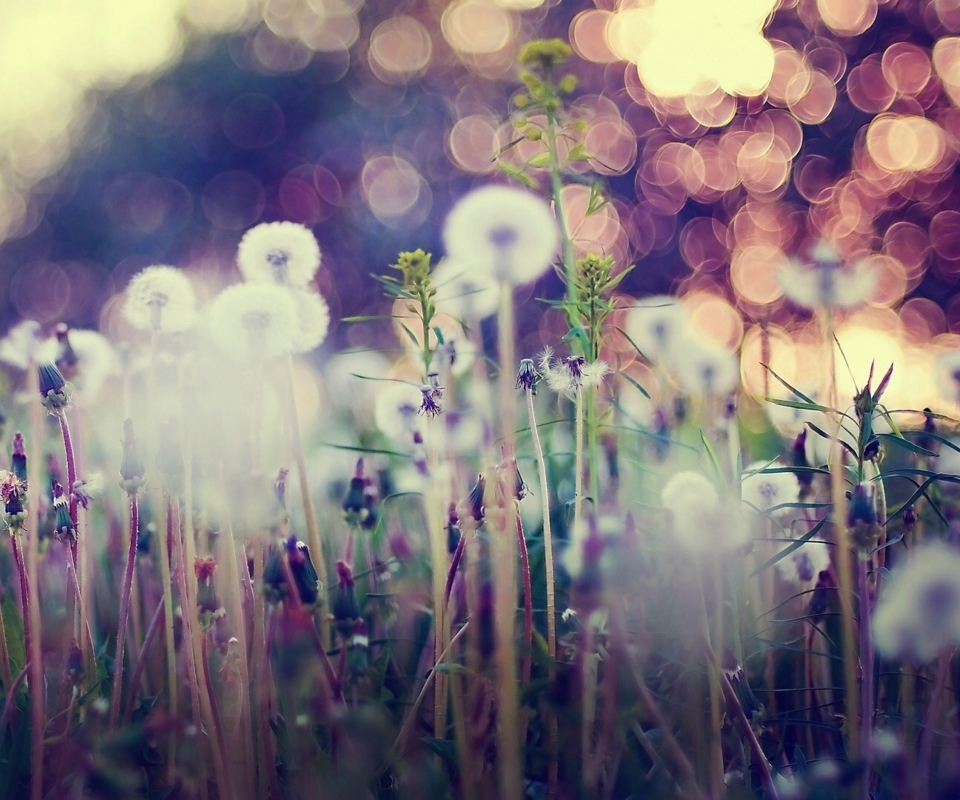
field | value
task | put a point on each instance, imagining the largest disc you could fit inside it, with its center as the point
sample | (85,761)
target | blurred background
(731,134)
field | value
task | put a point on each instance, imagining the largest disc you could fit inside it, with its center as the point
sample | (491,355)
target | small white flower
(567,376)
(465,293)
(161,299)
(947,368)
(919,614)
(656,324)
(395,412)
(279,252)
(19,347)
(704,369)
(256,321)
(826,284)
(763,490)
(313,320)
(509,232)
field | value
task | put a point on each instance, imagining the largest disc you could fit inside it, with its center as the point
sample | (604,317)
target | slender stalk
(551,718)
(5,671)
(556,188)
(526,663)
(309,515)
(259,668)
(124,611)
(155,623)
(11,700)
(866,665)
(165,537)
(714,673)
(37,684)
(578,461)
(934,708)
(212,712)
(593,444)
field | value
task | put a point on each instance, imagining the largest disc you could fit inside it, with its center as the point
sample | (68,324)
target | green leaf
(353,449)
(792,547)
(906,444)
(635,385)
(712,455)
(410,333)
(539,161)
(517,175)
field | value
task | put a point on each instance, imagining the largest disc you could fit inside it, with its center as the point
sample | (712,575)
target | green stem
(593,445)
(578,462)
(556,186)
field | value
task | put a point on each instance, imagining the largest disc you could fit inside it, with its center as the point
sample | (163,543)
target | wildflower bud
(304,573)
(131,464)
(64,528)
(353,505)
(521,489)
(18,461)
(13,492)
(55,392)
(799,459)
(909,520)
(925,440)
(371,500)
(475,500)
(274,579)
(399,546)
(453,529)
(527,376)
(345,607)
(872,450)
(209,607)
(862,518)
(358,651)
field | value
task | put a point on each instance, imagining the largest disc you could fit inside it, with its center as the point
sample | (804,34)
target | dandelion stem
(124,610)
(526,663)
(37,685)
(152,628)
(164,537)
(866,664)
(929,727)
(578,460)
(5,670)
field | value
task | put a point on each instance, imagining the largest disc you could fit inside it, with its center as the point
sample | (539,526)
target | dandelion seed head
(396,408)
(764,490)
(252,320)
(285,253)
(704,369)
(161,299)
(919,614)
(698,518)
(947,369)
(826,284)
(804,565)
(656,324)
(510,233)
(464,292)
(313,320)
(19,347)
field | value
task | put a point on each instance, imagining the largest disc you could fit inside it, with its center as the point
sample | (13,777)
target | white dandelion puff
(571,374)
(286,253)
(826,284)
(919,614)
(765,490)
(510,233)
(656,324)
(947,370)
(161,299)
(313,320)
(700,520)
(704,369)
(19,347)
(396,408)
(256,321)
(465,293)
(803,565)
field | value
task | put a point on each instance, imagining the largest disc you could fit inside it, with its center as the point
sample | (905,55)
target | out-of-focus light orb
(773,347)
(475,27)
(400,47)
(946,61)
(693,46)
(753,273)
(394,190)
(588,36)
(905,143)
(519,5)
(848,17)
(714,318)
(473,144)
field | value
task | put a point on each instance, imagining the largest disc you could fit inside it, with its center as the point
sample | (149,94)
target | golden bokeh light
(475,27)
(400,48)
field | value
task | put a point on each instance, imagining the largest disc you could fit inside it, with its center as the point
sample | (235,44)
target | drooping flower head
(254,320)
(826,284)
(569,375)
(160,299)
(508,232)
(279,252)
(919,614)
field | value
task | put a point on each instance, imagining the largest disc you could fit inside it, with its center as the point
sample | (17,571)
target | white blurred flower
(947,367)
(826,284)
(572,373)
(948,461)
(96,360)
(161,299)
(804,565)
(313,320)
(510,233)
(763,490)
(19,347)
(457,354)
(396,407)
(919,614)
(704,369)
(257,321)
(279,252)
(464,292)
(350,378)
(656,324)
(791,421)
(698,518)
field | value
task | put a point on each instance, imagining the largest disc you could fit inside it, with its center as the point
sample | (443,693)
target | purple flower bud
(475,500)
(55,392)
(18,461)
(527,376)
(64,527)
